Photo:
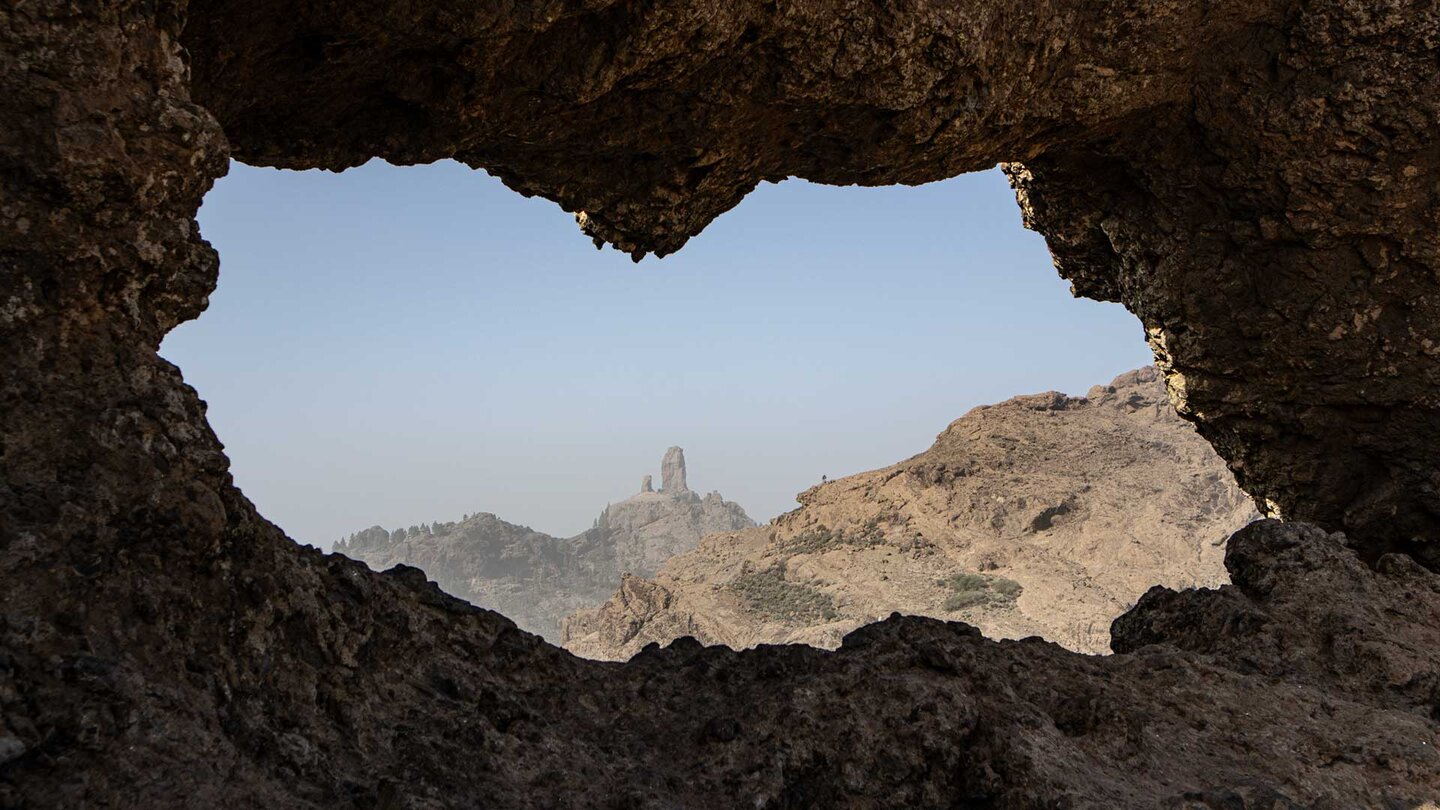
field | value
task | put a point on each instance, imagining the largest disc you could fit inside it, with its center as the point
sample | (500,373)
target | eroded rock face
(1256,179)
(672,472)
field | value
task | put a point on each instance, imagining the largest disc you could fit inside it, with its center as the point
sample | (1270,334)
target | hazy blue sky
(397,345)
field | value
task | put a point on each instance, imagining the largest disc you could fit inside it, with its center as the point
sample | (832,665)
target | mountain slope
(536,579)
(1042,515)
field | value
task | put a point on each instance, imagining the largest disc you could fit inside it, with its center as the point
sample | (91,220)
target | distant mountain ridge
(1042,515)
(537,579)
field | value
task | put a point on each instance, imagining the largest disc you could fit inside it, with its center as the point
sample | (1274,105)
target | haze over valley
(1042,515)
(537,580)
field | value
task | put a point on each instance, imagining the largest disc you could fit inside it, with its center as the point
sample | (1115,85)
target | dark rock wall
(161,645)
(653,118)
(1279,239)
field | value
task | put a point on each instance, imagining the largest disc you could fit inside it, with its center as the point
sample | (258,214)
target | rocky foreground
(1044,515)
(536,579)
(1311,681)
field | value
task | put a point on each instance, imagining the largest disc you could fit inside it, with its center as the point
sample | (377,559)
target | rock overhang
(647,121)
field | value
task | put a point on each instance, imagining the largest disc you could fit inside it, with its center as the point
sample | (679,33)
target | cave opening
(1256,181)
(412,347)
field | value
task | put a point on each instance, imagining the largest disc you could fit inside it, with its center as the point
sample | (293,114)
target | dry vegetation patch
(974,590)
(821,538)
(767,593)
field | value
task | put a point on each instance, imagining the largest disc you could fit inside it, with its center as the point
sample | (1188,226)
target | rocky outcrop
(1045,515)
(649,528)
(672,472)
(1256,180)
(536,579)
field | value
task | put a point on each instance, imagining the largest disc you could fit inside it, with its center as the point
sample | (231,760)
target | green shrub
(1008,588)
(767,594)
(969,582)
(960,600)
(973,590)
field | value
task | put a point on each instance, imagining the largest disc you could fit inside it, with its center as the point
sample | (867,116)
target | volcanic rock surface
(1044,515)
(536,579)
(1258,181)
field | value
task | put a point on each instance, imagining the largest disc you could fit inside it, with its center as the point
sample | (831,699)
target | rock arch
(1256,180)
